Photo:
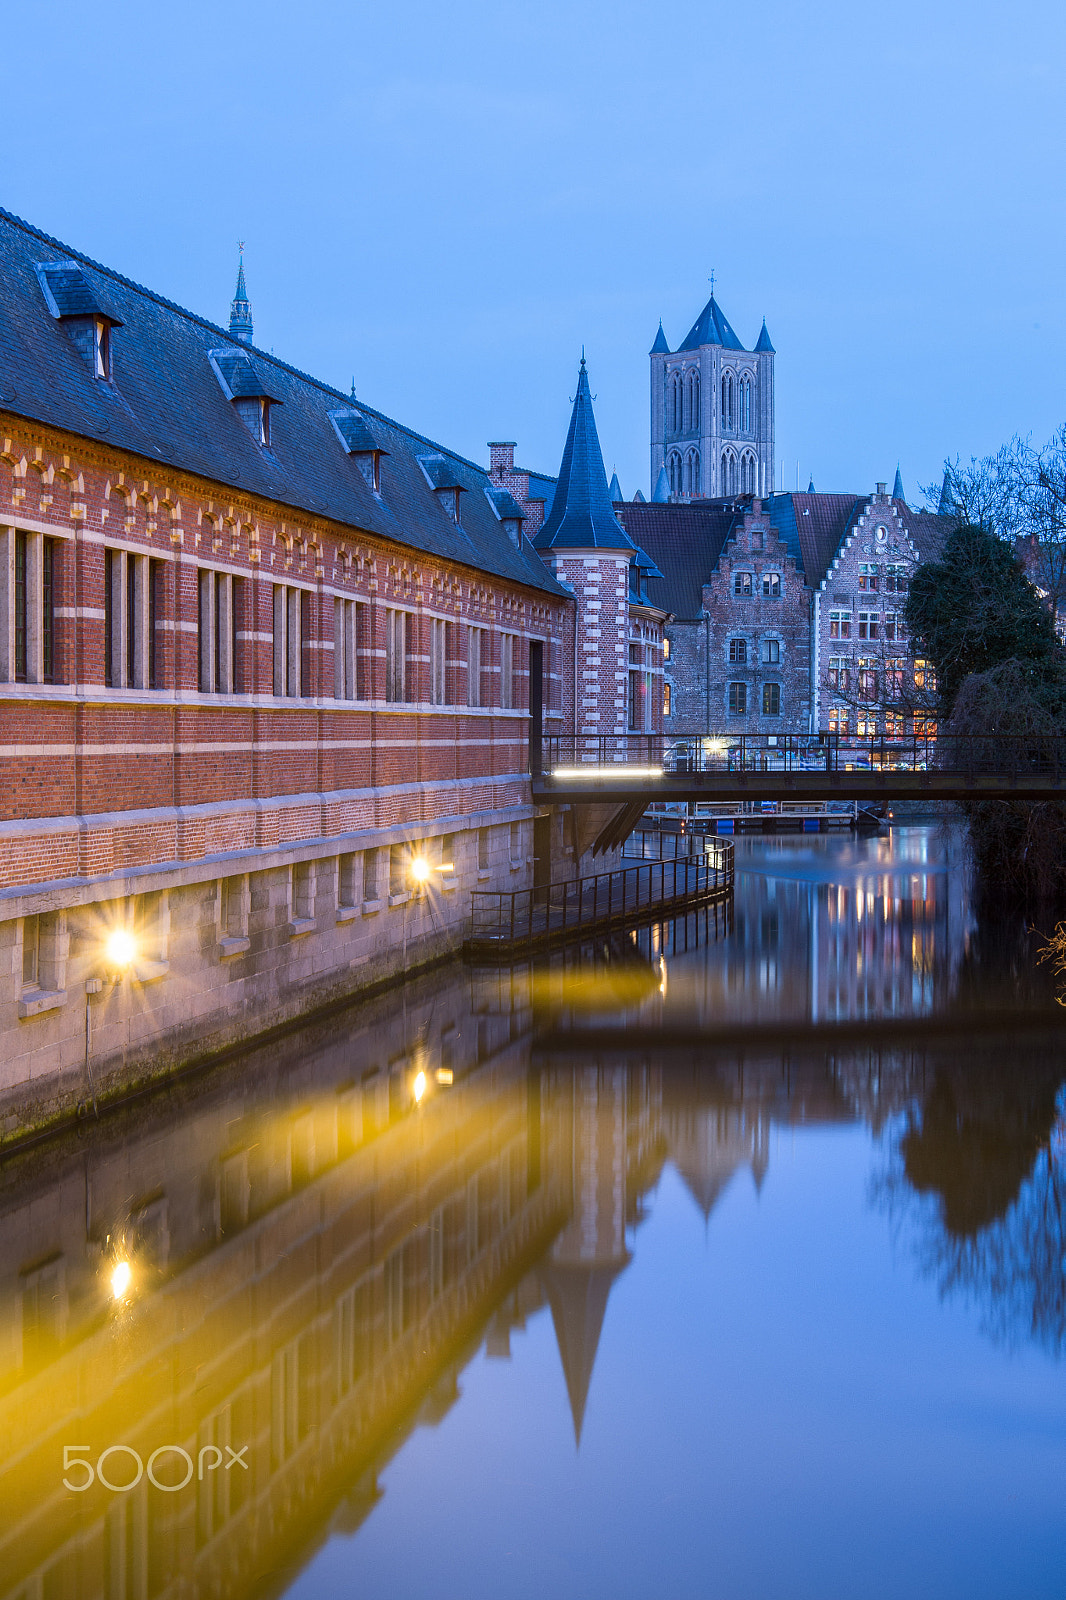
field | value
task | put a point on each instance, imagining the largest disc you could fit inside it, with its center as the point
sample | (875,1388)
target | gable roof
(812,527)
(710,327)
(685,542)
(581,516)
(165,403)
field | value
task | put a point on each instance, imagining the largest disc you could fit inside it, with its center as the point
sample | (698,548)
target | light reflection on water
(726,1260)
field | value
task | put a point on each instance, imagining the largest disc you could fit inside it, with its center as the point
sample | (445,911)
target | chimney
(501,457)
(881,491)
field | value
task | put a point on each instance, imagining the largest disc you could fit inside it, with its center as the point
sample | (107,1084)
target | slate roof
(812,526)
(710,327)
(165,403)
(685,542)
(581,516)
(763,341)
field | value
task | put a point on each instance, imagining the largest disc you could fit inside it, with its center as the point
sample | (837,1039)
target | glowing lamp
(446,1076)
(420,869)
(120,949)
(418,1088)
(120,1279)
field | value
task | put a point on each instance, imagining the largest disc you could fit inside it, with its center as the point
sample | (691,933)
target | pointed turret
(762,343)
(947,498)
(660,495)
(810,487)
(639,497)
(615,490)
(578,1299)
(581,516)
(711,327)
(660,347)
(897,487)
(240,312)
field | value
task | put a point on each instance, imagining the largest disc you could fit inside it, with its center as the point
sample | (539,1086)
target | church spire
(582,516)
(240,312)
(897,487)
(947,498)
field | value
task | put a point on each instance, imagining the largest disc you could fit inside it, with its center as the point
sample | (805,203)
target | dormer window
(82,309)
(102,347)
(443,479)
(353,431)
(243,385)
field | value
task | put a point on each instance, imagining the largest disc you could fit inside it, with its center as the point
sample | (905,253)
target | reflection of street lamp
(119,952)
(121,1278)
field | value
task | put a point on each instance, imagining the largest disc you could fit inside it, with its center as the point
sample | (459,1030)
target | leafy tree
(975,608)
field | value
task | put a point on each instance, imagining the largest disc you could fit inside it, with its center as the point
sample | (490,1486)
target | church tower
(712,411)
(240,312)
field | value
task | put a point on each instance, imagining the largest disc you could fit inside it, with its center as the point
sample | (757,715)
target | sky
(448,202)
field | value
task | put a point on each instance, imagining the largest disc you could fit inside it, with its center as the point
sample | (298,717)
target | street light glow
(120,949)
(420,869)
(418,1088)
(120,1279)
(618,770)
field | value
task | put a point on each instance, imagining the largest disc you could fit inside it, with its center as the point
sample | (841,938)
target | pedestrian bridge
(634,769)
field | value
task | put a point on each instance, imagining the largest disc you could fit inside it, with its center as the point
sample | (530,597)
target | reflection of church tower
(591,1250)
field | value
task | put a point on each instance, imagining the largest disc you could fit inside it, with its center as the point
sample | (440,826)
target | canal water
(723,1259)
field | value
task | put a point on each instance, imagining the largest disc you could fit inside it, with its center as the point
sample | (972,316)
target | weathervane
(710,280)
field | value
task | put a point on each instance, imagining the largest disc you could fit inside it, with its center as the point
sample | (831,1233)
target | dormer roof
(710,327)
(70,293)
(581,516)
(355,433)
(242,378)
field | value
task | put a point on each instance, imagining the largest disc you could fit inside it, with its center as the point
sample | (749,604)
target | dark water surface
(725,1261)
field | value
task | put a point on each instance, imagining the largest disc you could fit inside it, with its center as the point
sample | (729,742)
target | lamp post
(119,953)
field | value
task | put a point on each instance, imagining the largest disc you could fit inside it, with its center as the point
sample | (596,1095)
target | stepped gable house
(785,612)
(261,648)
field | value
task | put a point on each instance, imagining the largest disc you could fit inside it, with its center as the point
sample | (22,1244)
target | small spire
(810,487)
(762,343)
(660,347)
(661,492)
(947,498)
(615,490)
(240,314)
(897,487)
(353,385)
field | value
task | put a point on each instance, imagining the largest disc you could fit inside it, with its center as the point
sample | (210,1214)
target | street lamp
(119,952)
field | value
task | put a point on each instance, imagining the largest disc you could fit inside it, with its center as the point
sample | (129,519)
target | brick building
(783,612)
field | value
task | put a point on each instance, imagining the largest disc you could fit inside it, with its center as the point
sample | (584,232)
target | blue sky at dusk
(447,202)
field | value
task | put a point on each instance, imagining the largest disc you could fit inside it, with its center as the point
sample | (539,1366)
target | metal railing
(510,919)
(969,755)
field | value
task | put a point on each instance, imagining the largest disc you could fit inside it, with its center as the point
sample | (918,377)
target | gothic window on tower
(729,418)
(675,474)
(692,400)
(692,473)
(729,473)
(747,474)
(745,404)
(675,403)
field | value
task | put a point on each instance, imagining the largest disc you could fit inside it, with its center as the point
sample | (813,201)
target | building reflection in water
(320,1238)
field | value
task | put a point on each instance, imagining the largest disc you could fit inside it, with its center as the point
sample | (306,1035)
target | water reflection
(279,1271)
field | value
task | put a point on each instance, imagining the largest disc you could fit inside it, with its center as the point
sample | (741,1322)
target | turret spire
(947,498)
(240,312)
(897,487)
(582,516)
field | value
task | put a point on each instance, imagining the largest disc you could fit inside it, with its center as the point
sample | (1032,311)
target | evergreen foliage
(975,609)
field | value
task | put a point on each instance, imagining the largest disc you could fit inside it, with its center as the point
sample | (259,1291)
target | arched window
(729,472)
(746,407)
(747,473)
(696,399)
(673,468)
(674,409)
(728,401)
(692,472)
